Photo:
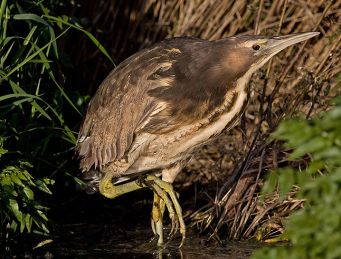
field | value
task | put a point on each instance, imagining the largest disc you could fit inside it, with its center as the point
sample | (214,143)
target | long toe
(168,189)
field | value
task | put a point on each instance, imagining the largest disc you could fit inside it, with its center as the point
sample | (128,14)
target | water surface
(92,228)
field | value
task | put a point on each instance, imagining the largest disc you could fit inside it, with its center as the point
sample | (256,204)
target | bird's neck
(235,99)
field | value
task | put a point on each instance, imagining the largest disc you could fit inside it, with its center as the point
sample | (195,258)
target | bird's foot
(165,196)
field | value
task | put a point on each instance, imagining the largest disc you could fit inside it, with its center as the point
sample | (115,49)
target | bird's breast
(167,149)
(214,124)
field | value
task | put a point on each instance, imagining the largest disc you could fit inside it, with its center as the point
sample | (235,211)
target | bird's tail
(92,179)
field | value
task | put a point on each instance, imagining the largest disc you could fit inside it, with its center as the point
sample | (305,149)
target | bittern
(163,103)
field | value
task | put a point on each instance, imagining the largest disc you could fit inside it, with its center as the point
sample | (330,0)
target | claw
(182,239)
(174,229)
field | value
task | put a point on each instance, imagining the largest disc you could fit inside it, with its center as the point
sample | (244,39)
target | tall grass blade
(30,16)
(59,20)
(2,10)
(21,64)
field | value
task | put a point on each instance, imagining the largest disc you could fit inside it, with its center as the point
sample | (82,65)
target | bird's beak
(276,44)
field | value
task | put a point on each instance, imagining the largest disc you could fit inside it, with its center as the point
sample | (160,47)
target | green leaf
(16,180)
(271,182)
(14,207)
(314,166)
(29,193)
(14,226)
(77,180)
(2,10)
(30,16)
(45,229)
(41,226)
(43,243)
(29,58)
(9,96)
(22,176)
(42,186)
(286,181)
(28,222)
(41,214)
(2,150)
(29,35)
(6,180)
(54,42)
(4,56)
(22,223)
(313,145)
(315,230)
(48,181)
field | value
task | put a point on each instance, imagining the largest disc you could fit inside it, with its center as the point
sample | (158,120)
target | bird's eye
(255,46)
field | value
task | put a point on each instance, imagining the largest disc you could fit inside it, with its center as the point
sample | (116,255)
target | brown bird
(160,105)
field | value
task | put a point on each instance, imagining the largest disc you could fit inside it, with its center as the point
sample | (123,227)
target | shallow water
(113,229)
(90,241)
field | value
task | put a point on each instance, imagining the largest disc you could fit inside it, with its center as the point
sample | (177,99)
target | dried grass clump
(300,80)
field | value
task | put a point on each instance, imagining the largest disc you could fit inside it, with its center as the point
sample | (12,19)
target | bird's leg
(161,199)
(164,196)
(106,187)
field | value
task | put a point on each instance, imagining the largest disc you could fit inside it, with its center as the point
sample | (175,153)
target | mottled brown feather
(174,82)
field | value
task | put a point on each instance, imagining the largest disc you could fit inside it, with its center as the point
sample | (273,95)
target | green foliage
(37,114)
(31,100)
(314,231)
(19,209)
(32,106)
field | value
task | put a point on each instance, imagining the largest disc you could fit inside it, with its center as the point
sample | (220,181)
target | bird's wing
(122,106)
(154,91)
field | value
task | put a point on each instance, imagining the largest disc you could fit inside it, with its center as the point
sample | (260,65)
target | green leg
(107,189)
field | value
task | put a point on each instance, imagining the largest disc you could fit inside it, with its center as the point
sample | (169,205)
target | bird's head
(246,54)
